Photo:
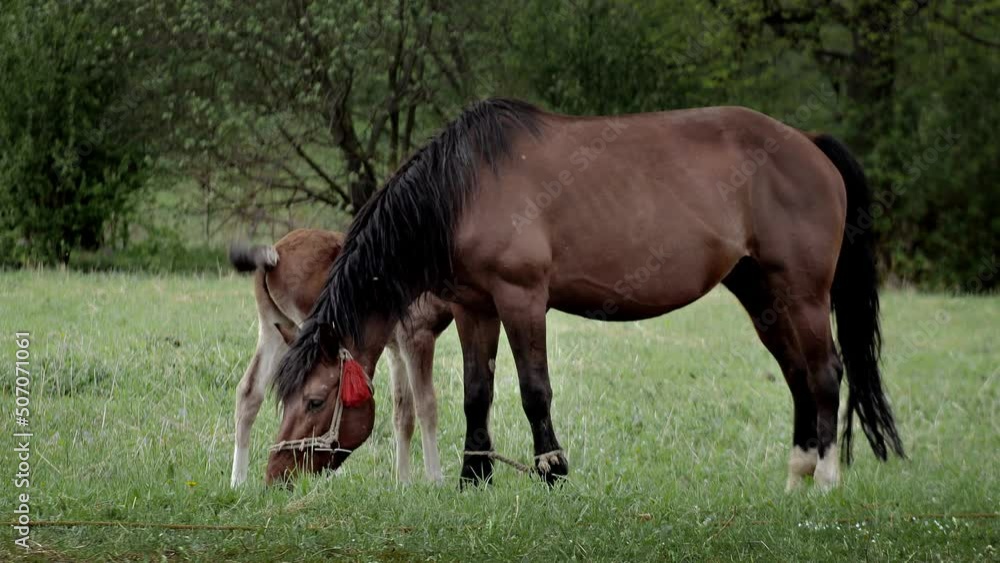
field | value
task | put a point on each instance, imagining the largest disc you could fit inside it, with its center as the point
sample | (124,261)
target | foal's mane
(400,244)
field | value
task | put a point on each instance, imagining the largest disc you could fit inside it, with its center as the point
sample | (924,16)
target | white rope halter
(330,441)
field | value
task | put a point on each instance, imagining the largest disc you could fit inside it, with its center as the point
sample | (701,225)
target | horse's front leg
(402,407)
(479,334)
(250,396)
(419,357)
(522,312)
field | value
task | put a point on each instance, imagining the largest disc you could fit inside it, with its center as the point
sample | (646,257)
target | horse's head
(328,408)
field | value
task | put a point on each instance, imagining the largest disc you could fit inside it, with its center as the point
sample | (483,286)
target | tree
(68,163)
(906,74)
(276,103)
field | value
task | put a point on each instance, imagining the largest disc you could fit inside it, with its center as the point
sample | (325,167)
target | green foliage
(936,167)
(68,168)
(588,57)
(313,101)
(264,107)
(163,251)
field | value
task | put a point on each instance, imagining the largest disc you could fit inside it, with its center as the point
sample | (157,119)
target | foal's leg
(479,334)
(402,406)
(418,353)
(250,395)
(522,312)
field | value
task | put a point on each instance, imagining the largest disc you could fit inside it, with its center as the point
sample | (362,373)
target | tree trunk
(871,71)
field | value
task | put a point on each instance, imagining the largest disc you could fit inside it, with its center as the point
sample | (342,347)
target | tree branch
(954,25)
(299,150)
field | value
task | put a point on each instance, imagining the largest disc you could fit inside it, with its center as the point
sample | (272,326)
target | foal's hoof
(552,467)
(476,470)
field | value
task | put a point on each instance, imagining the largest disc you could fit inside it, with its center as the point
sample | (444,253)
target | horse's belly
(611,310)
(649,290)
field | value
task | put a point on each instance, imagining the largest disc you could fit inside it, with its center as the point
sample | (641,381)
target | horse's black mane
(400,244)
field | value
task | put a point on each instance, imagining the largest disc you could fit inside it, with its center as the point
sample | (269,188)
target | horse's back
(650,211)
(305,258)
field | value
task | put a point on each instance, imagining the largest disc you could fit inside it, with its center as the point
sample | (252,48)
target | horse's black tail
(251,258)
(856,307)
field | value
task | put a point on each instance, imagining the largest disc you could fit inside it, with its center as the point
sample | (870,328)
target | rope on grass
(545,461)
(231,528)
(126,524)
(503,459)
(911,517)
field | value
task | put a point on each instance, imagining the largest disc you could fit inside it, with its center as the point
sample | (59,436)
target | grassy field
(677,430)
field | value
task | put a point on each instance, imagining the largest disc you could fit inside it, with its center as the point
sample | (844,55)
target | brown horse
(288,277)
(511,211)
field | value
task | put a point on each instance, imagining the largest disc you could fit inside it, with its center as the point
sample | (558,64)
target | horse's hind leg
(795,328)
(748,284)
(250,395)
(809,319)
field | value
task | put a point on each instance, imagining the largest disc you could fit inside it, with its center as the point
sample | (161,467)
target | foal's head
(328,409)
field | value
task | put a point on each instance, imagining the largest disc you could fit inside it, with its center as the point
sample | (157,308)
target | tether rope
(503,459)
(548,459)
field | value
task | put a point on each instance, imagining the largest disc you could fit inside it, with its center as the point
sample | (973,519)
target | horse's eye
(315,404)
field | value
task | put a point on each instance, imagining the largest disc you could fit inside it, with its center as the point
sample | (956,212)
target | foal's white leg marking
(419,358)
(828,469)
(241,463)
(800,463)
(250,395)
(402,412)
(247,405)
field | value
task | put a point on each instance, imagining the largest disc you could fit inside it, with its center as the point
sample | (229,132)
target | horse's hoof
(552,467)
(476,470)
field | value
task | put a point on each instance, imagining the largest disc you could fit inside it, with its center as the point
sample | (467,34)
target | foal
(288,277)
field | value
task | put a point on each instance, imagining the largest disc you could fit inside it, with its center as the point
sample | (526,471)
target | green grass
(677,431)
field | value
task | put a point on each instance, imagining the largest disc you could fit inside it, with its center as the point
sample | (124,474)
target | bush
(68,164)
(162,252)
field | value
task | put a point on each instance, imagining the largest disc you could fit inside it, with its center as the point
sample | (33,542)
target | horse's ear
(329,341)
(288,333)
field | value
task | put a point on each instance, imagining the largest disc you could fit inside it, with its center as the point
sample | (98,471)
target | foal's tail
(856,307)
(251,258)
